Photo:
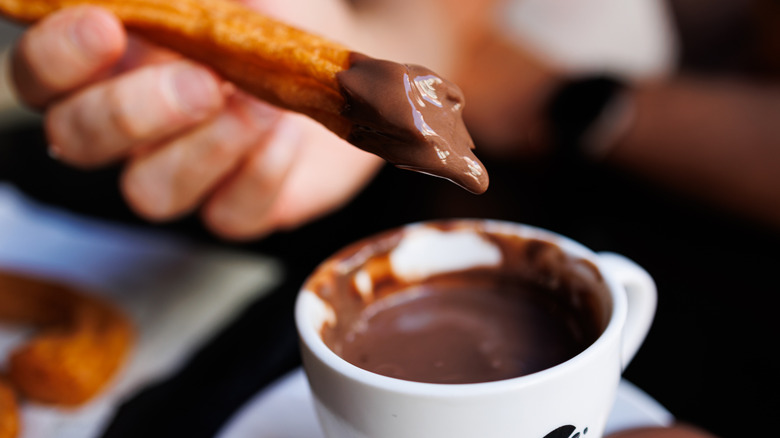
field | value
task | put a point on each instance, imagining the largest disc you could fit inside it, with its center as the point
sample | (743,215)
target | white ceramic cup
(572,399)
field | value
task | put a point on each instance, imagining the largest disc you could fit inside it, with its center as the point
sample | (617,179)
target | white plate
(285,410)
(178,294)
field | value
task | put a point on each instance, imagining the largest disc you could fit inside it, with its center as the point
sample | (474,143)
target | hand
(188,139)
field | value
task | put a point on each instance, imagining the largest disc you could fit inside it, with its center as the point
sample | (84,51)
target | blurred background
(709,357)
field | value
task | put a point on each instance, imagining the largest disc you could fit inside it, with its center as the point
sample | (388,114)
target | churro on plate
(79,343)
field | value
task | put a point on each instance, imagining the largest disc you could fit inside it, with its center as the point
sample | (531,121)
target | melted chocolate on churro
(411,117)
(405,114)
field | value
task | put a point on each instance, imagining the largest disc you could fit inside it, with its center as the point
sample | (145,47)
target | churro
(80,344)
(406,114)
(9,411)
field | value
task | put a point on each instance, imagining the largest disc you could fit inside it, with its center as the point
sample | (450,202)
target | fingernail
(90,33)
(195,90)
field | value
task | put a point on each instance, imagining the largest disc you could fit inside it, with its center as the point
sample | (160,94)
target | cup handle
(642,301)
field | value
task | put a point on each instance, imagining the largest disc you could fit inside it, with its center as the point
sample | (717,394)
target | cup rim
(311,339)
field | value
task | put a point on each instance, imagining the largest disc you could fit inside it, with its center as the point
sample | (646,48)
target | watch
(587,115)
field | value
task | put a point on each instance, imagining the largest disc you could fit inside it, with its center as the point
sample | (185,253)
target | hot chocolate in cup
(467,328)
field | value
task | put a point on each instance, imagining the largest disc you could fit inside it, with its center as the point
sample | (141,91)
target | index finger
(65,51)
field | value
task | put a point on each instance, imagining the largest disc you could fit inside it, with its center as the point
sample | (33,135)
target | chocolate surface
(412,118)
(466,332)
(538,308)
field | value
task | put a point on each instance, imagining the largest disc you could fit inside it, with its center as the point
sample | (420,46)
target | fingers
(252,170)
(174,178)
(64,64)
(65,51)
(106,121)
(301,173)
(190,140)
(677,431)
(9,411)
(241,207)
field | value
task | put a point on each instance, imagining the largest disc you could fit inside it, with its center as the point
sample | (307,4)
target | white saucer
(285,410)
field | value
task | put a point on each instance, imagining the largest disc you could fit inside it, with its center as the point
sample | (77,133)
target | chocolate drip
(411,117)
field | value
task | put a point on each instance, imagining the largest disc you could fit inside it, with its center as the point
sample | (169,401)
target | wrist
(507,89)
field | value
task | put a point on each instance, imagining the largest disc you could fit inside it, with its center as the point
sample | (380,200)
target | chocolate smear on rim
(412,118)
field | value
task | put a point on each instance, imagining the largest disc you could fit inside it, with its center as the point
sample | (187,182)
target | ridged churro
(406,114)
(80,343)
(9,411)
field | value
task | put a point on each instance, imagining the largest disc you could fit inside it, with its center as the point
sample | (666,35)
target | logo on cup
(565,432)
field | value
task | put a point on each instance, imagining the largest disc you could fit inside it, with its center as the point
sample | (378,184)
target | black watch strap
(575,108)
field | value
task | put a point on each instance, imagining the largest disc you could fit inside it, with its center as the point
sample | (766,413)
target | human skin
(715,139)
(250,169)
(188,140)
(665,432)
(711,138)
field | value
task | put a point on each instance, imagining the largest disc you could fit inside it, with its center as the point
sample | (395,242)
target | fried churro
(405,114)
(9,411)
(80,343)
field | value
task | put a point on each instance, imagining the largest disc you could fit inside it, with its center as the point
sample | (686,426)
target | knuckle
(138,111)
(72,127)
(222,150)
(65,128)
(227,140)
(122,116)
